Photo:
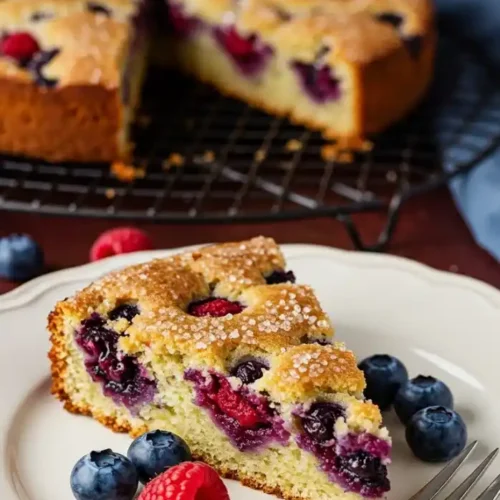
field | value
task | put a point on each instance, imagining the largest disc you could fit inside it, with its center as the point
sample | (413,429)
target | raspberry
(20,46)
(215,307)
(187,481)
(238,45)
(118,241)
(234,405)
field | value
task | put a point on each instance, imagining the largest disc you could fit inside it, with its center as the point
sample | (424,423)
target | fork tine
(436,485)
(463,489)
(492,491)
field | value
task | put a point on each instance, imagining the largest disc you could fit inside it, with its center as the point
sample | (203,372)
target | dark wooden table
(430,231)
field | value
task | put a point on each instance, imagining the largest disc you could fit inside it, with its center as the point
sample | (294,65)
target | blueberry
(419,393)
(436,434)
(384,376)
(319,421)
(249,371)
(362,469)
(277,277)
(104,475)
(21,257)
(155,452)
(127,311)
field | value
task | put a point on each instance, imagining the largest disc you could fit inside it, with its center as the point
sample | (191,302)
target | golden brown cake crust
(79,117)
(77,123)
(351,29)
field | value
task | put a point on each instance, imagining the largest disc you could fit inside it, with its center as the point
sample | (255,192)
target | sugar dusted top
(90,38)
(280,322)
(353,30)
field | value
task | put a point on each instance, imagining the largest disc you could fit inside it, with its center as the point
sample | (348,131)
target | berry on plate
(21,257)
(436,434)
(120,240)
(104,475)
(187,481)
(155,452)
(384,376)
(419,393)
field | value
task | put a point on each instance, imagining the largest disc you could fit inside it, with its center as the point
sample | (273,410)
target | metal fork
(432,489)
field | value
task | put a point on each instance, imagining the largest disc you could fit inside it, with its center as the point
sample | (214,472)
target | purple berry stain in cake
(181,23)
(37,64)
(249,53)
(122,378)
(246,418)
(318,82)
(278,277)
(355,461)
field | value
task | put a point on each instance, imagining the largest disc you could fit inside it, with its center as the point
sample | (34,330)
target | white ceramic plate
(437,323)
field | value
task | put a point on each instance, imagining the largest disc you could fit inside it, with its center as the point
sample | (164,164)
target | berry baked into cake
(71,71)
(70,77)
(221,347)
(347,67)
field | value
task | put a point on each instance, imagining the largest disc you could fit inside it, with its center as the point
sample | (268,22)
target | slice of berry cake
(70,77)
(221,347)
(347,67)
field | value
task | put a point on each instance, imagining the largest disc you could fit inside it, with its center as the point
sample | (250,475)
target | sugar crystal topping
(278,321)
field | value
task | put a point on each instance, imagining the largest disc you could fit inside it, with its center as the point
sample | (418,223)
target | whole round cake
(71,71)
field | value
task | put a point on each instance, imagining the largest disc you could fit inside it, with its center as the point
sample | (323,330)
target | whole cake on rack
(222,347)
(71,71)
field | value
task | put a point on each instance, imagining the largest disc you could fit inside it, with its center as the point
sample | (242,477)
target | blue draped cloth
(477,194)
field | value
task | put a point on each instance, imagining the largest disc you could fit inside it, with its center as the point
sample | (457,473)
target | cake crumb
(335,152)
(342,150)
(174,160)
(125,172)
(294,145)
(208,156)
(260,155)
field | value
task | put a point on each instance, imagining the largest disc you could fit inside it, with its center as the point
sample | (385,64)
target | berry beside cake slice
(223,348)
(70,77)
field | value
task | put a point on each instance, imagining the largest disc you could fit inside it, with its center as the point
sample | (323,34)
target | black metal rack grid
(239,163)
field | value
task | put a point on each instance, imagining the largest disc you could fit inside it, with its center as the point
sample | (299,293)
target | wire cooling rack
(241,164)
